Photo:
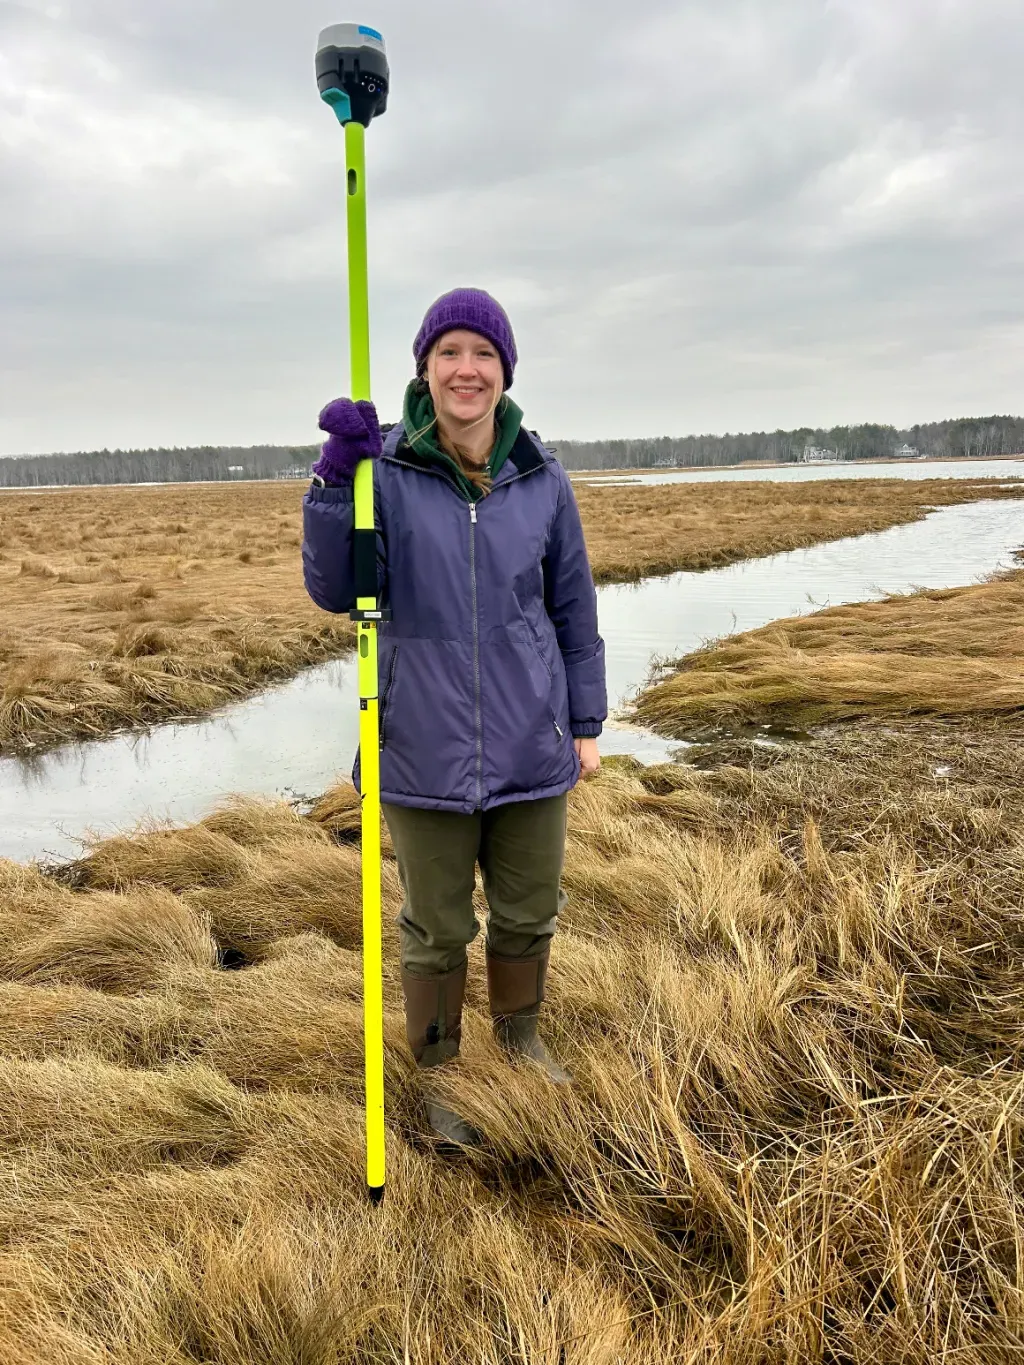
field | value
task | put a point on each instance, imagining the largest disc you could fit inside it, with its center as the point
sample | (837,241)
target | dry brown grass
(127,606)
(950,652)
(791,989)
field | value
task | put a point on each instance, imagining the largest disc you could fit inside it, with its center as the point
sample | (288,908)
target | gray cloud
(715,215)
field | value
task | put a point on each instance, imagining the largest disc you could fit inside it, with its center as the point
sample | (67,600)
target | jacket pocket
(551,683)
(385,700)
(523,751)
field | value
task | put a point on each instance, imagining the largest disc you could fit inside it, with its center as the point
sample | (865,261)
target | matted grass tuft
(948,652)
(790,986)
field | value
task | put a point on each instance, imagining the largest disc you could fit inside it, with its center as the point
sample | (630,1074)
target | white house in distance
(814,455)
(905,452)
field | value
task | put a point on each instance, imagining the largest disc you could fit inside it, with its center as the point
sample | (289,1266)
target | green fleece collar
(418,413)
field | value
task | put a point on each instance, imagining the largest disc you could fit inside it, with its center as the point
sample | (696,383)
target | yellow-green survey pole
(369,733)
(352,73)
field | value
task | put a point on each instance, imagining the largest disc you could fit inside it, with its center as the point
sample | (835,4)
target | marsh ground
(123,606)
(126,606)
(948,652)
(789,982)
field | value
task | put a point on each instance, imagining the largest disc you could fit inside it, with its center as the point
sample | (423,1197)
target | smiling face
(466,378)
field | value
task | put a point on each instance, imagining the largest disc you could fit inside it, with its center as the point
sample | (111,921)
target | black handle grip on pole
(365,566)
(364,550)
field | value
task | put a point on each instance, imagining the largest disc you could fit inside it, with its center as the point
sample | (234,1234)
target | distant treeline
(963,437)
(201,464)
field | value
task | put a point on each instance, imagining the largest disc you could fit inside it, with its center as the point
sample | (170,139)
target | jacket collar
(525,456)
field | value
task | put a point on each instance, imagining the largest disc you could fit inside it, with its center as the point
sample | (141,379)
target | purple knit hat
(476,311)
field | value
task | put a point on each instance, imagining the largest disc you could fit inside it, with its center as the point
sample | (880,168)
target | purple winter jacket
(492,661)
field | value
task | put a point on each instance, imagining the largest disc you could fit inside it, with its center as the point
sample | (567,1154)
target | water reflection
(297,739)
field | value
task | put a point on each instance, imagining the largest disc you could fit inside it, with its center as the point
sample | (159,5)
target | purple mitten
(353,435)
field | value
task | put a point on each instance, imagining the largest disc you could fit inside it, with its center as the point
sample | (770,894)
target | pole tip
(376,1193)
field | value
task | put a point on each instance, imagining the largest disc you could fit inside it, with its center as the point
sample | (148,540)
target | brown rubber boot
(515,988)
(433,1025)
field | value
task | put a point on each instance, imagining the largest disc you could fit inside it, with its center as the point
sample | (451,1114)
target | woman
(491,668)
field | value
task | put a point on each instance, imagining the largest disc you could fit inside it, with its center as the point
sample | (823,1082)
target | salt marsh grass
(789,983)
(790,986)
(944,652)
(125,606)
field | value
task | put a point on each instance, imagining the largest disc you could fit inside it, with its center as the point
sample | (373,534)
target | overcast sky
(701,215)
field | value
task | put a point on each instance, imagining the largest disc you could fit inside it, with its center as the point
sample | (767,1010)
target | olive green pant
(520,848)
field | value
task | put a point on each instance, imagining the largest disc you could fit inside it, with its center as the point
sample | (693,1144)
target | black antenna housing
(352,72)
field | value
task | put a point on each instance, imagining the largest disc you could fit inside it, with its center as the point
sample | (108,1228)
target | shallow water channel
(299,738)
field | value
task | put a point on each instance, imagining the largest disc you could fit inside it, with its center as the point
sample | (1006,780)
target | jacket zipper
(476,660)
(476,624)
(476,638)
